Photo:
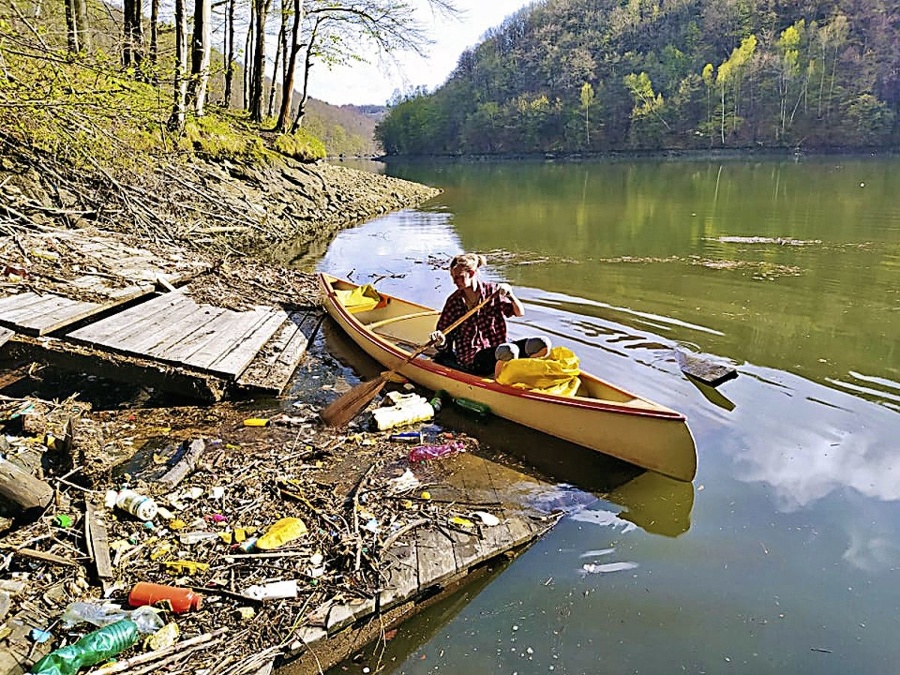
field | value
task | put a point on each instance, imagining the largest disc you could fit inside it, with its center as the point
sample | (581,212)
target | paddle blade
(349,404)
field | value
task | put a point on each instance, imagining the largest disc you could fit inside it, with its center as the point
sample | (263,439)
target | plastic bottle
(141,507)
(425,452)
(99,615)
(93,648)
(103,614)
(437,401)
(407,437)
(472,406)
(181,599)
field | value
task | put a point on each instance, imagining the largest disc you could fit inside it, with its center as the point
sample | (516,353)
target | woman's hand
(505,290)
(438,338)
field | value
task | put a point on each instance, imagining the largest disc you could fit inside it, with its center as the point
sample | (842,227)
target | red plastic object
(182,599)
(422,453)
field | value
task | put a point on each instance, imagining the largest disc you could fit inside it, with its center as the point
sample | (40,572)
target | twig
(403,530)
(140,659)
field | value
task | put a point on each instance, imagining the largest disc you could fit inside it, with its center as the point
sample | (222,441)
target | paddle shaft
(348,405)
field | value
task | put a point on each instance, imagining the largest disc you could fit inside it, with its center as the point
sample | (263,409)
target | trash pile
(212,554)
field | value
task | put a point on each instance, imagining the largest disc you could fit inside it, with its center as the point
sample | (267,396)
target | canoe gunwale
(362,331)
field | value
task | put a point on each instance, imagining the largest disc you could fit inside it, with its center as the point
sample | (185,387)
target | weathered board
(175,329)
(128,273)
(273,366)
(706,371)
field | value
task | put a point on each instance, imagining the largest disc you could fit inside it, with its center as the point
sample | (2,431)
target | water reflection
(655,503)
(832,441)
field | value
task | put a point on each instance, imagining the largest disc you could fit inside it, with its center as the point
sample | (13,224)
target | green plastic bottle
(95,647)
(472,406)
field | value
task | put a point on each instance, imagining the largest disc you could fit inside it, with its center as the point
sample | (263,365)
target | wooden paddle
(347,406)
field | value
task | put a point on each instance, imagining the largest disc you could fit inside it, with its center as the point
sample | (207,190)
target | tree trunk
(127,47)
(248,66)
(290,67)
(154,35)
(71,27)
(304,95)
(261,9)
(81,25)
(229,53)
(270,108)
(176,121)
(200,54)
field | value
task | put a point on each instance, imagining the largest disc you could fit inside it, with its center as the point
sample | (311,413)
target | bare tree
(200,55)
(260,13)
(133,34)
(335,30)
(154,35)
(229,51)
(176,120)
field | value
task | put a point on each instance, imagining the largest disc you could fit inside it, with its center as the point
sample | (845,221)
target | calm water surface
(783,556)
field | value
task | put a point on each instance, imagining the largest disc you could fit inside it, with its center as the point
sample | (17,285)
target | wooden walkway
(427,561)
(128,273)
(166,339)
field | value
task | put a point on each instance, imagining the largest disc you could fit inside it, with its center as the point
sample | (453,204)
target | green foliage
(820,74)
(89,112)
(301,145)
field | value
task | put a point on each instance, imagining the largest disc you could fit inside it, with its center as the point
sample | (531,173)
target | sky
(374,84)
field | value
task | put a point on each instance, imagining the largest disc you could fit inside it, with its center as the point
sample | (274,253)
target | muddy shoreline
(85,438)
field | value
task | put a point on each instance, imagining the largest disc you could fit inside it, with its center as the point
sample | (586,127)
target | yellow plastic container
(281,532)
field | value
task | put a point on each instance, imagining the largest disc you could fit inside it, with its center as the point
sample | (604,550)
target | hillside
(88,143)
(345,130)
(580,76)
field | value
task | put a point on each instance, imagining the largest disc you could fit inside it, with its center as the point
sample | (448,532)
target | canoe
(600,416)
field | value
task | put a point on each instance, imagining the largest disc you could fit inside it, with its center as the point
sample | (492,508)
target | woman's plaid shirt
(486,329)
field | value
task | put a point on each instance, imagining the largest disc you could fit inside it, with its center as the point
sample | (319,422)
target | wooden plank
(124,325)
(273,366)
(199,324)
(97,540)
(164,330)
(213,334)
(236,359)
(48,302)
(434,559)
(239,357)
(5,334)
(402,578)
(703,369)
(72,313)
(478,485)
(10,302)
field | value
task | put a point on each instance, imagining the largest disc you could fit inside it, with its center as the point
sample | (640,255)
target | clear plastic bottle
(103,614)
(426,452)
(96,647)
(437,401)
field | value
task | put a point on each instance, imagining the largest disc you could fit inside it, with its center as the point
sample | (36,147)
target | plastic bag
(360,299)
(557,373)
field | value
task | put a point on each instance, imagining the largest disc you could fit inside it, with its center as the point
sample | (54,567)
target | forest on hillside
(581,76)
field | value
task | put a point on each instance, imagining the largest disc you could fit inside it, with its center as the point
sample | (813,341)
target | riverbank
(367,512)
(696,154)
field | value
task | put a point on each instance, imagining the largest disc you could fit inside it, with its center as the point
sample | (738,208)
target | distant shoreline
(707,154)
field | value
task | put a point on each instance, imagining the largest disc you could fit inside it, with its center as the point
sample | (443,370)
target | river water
(783,556)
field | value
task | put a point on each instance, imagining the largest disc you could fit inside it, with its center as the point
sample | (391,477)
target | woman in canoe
(479,345)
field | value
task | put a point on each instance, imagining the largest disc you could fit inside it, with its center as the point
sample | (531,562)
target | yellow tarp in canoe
(557,373)
(360,299)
